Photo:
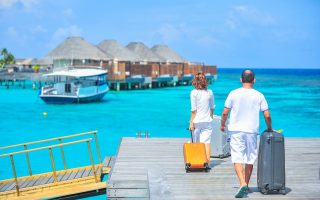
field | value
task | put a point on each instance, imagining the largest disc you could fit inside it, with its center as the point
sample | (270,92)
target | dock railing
(26,151)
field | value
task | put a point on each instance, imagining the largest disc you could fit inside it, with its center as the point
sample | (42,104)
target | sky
(229,33)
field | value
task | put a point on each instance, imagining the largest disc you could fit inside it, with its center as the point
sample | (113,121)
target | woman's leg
(207,145)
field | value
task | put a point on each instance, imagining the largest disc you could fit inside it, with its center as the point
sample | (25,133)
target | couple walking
(244,105)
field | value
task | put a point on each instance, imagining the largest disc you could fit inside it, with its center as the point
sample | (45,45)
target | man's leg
(239,170)
(248,172)
(251,154)
(238,146)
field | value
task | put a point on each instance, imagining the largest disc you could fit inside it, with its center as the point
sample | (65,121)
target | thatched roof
(169,55)
(143,52)
(117,51)
(79,49)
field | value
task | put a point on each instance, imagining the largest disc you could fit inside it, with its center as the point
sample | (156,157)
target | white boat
(74,86)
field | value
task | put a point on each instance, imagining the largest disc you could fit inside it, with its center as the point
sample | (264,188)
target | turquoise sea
(293,96)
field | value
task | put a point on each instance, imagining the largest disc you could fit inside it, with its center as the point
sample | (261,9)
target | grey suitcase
(220,141)
(271,163)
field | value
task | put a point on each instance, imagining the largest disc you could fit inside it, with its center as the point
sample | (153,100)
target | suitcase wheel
(207,168)
(264,191)
(187,167)
(283,192)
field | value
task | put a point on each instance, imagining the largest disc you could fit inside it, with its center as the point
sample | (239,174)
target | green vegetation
(6,58)
(36,68)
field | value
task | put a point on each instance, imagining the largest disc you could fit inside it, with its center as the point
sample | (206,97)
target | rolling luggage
(271,163)
(195,156)
(220,141)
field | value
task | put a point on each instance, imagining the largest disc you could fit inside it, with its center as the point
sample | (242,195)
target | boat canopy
(77,73)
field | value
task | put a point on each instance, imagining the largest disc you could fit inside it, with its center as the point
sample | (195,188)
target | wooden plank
(38,180)
(86,172)
(45,180)
(65,191)
(79,174)
(125,193)
(25,182)
(136,157)
(135,184)
(7,186)
(158,184)
(106,161)
(73,174)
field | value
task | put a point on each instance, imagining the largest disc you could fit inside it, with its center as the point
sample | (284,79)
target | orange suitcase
(195,156)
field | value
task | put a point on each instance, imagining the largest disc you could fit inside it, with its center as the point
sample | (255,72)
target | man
(245,104)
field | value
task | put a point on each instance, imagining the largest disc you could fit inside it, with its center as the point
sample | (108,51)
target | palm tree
(7,58)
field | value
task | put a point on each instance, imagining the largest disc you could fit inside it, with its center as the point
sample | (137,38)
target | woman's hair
(200,82)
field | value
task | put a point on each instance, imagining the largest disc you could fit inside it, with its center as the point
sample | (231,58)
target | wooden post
(118,86)
(15,175)
(62,155)
(92,162)
(28,160)
(53,166)
(97,146)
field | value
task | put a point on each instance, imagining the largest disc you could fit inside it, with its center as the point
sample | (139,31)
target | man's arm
(267,118)
(224,117)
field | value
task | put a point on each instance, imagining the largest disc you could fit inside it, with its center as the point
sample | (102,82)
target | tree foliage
(6,58)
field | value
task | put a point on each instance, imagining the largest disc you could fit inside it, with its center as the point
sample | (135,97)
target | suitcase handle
(190,134)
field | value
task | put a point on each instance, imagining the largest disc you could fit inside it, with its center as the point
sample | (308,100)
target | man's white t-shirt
(245,105)
(202,101)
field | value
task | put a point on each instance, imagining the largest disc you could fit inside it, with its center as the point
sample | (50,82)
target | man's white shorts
(202,132)
(243,147)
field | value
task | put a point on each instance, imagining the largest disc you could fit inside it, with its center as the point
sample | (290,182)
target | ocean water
(293,96)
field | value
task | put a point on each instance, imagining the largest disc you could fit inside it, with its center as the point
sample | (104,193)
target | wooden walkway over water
(75,182)
(153,168)
(41,183)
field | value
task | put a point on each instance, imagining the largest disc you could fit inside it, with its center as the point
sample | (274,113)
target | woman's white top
(202,101)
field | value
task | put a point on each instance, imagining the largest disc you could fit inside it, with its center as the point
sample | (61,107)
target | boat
(74,86)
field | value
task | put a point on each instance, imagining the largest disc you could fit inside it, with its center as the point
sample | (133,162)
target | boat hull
(66,99)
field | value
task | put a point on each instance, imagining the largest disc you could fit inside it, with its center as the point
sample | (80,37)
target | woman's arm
(193,115)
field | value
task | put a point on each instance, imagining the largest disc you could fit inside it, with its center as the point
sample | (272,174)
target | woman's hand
(191,126)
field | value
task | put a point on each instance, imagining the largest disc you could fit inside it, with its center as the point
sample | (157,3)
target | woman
(202,106)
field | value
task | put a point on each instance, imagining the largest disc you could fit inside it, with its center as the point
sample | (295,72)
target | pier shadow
(256,190)
(214,163)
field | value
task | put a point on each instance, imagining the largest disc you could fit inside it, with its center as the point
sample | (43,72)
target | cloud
(245,16)
(6,4)
(67,12)
(27,4)
(207,41)
(13,34)
(38,29)
(168,33)
(64,32)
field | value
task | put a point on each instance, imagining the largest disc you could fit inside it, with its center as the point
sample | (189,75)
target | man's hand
(224,117)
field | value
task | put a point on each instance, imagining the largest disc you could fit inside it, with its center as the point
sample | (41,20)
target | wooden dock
(44,183)
(153,168)
(70,182)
